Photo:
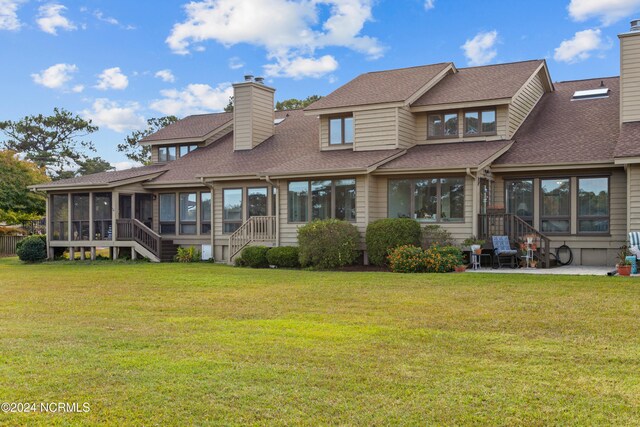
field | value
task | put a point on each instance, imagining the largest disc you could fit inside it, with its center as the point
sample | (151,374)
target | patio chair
(634,243)
(502,251)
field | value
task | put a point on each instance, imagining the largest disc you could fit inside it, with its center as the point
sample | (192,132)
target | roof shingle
(191,127)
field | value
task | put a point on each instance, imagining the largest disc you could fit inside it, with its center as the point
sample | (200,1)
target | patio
(573,270)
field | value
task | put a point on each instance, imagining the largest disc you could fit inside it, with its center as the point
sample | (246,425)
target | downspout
(277,202)
(474,202)
(213,228)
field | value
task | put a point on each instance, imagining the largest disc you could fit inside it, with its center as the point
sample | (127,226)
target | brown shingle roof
(560,130)
(629,141)
(191,127)
(380,87)
(105,178)
(480,83)
(447,155)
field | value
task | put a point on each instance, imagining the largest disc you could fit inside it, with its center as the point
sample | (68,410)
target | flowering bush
(407,259)
(442,259)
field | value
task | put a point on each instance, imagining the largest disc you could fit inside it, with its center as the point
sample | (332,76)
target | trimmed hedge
(328,244)
(284,257)
(387,234)
(32,249)
(413,259)
(254,257)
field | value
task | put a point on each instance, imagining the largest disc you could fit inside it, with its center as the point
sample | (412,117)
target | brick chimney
(253,113)
(630,73)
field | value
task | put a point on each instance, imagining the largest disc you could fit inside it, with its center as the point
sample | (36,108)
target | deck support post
(93,253)
(82,253)
(72,253)
(134,254)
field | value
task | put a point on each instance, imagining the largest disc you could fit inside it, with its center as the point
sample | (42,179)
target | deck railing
(132,229)
(260,229)
(518,230)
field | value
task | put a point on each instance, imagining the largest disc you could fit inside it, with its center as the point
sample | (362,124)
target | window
(519,199)
(188,213)
(80,216)
(205,213)
(329,199)
(166,154)
(102,226)
(186,149)
(556,212)
(593,205)
(482,122)
(341,130)
(442,125)
(231,209)
(168,213)
(59,216)
(257,201)
(427,199)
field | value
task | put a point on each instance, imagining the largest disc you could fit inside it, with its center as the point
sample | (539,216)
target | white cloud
(100,16)
(235,63)
(194,99)
(77,88)
(112,78)
(50,19)
(166,76)
(429,4)
(302,67)
(608,11)
(55,76)
(287,29)
(580,47)
(9,15)
(480,50)
(112,115)
(126,165)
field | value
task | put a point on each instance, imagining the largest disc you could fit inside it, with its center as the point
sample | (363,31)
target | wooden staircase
(168,250)
(517,229)
(145,241)
(257,229)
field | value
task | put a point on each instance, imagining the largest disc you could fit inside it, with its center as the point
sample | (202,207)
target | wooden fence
(8,244)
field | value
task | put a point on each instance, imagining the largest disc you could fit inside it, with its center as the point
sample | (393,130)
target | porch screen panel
(593,205)
(59,217)
(519,199)
(231,210)
(452,199)
(257,201)
(168,213)
(556,210)
(102,226)
(320,200)
(345,199)
(205,213)
(188,213)
(297,201)
(399,198)
(426,200)
(80,216)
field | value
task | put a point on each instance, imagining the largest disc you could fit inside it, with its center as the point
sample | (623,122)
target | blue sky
(121,62)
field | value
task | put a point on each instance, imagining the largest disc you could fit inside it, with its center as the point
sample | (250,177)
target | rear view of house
(478,151)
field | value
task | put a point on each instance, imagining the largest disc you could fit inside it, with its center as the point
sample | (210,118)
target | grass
(203,344)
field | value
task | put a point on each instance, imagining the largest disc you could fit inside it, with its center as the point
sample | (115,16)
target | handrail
(517,229)
(132,229)
(255,229)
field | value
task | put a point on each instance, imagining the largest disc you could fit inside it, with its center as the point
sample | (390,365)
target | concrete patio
(574,270)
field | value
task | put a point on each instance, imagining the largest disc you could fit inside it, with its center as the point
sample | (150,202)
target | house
(479,151)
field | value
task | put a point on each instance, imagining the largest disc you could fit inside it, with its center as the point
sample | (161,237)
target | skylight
(601,92)
(278,121)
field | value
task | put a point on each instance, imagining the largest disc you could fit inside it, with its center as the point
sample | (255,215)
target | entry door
(144,209)
(125,206)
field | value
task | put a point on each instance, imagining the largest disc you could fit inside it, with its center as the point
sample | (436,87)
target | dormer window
(443,125)
(341,130)
(166,154)
(480,122)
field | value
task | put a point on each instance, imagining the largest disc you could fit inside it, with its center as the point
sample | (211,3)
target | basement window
(579,95)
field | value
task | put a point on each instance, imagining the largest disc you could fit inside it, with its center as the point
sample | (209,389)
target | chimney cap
(635,25)
(248,77)
(259,80)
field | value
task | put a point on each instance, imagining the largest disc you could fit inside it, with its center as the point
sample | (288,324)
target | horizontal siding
(406,128)
(634,197)
(375,129)
(502,114)
(263,115)
(524,102)
(154,154)
(242,118)
(630,78)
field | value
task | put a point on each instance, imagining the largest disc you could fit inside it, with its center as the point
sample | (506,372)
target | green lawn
(205,344)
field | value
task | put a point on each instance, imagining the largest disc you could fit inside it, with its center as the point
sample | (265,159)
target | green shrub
(328,244)
(254,257)
(284,257)
(189,254)
(407,259)
(436,235)
(32,249)
(385,235)
(442,259)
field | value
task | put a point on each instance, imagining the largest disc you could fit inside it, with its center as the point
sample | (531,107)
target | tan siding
(154,154)
(377,198)
(634,197)
(524,102)
(501,128)
(629,78)
(406,128)
(376,129)
(242,118)
(263,115)
(324,132)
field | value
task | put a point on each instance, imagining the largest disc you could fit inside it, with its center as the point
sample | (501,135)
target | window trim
(600,217)
(555,217)
(165,148)
(175,220)
(242,218)
(332,207)
(506,181)
(479,111)
(412,202)
(181,222)
(342,118)
(443,113)
(246,191)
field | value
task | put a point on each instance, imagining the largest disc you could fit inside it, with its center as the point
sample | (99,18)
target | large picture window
(341,130)
(593,205)
(231,209)
(205,213)
(188,213)
(519,198)
(59,216)
(168,213)
(442,125)
(329,199)
(427,199)
(556,207)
